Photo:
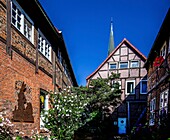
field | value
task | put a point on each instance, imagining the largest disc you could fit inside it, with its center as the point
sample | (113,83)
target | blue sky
(85,25)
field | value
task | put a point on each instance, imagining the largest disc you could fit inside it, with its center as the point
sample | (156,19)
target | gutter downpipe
(128,115)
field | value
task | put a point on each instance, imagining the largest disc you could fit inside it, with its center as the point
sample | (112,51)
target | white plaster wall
(103,74)
(134,72)
(123,73)
(124,50)
(104,67)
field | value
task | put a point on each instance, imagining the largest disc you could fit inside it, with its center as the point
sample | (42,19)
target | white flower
(67,115)
(1,124)
(21,132)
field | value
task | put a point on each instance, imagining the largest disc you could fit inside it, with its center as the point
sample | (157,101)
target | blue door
(122,125)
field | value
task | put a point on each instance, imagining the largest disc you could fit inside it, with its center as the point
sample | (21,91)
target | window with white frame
(16,16)
(123,65)
(163,50)
(143,86)
(130,87)
(163,106)
(152,111)
(21,21)
(134,64)
(44,46)
(113,66)
(27,29)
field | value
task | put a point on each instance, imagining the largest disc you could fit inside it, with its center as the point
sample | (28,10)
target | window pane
(130,87)
(44,47)
(144,86)
(123,64)
(113,66)
(13,7)
(134,64)
(16,16)
(27,29)
(13,21)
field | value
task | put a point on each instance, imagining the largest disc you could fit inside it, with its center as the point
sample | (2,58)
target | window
(43,106)
(123,65)
(65,69)
(134,64)
(152,111)
(143,86)
(59,56)
(113,66)
(163,50)
(16,17)
(43,46)
(130,87)
(21,21)
(27,29)
(163,106)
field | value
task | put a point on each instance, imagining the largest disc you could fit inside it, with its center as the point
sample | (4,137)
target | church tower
(111,45)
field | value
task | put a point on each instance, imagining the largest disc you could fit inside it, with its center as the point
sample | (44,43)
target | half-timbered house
(127,60)
(33,62)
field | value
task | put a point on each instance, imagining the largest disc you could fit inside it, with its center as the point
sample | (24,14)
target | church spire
(111,39)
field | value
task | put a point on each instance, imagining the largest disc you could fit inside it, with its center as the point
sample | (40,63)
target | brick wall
(19,69)
(19,84)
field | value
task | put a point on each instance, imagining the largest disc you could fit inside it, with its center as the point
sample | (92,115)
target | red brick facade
(21,81)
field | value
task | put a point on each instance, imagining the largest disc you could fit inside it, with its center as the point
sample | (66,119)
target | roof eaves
(46,17)
(165,21)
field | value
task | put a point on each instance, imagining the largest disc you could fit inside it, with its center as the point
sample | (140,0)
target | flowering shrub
(5,127)
(66,115)
(72,108)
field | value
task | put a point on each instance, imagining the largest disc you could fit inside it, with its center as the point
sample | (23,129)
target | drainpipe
(128,115)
